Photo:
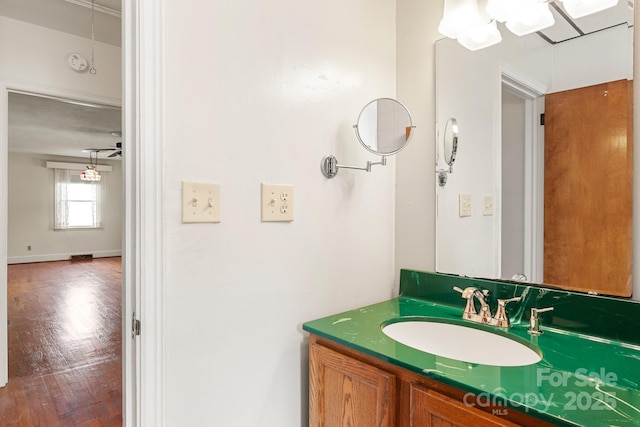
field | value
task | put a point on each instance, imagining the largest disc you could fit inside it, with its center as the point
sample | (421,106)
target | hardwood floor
(65,341)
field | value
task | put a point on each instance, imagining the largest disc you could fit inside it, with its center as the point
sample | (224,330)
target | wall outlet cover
(464,205)
(276,203)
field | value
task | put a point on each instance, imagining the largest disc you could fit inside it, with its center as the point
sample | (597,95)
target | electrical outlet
(200,202)
(277,202)
(487,206)
(464,204)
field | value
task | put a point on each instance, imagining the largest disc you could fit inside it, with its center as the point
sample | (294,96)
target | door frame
(143,257)
(532,92)
(143,372)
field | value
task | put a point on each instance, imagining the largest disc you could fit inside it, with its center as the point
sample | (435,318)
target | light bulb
(579,8)
(534,16)
(480,36)
(459,16)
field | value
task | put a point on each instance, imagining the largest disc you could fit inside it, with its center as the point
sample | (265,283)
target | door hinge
(135,326)
(542,119)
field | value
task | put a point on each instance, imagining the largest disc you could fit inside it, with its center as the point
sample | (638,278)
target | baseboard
(58,257)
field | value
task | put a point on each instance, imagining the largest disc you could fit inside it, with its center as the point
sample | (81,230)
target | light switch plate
(200,202)
(276,202)
(465,205)
(487,206)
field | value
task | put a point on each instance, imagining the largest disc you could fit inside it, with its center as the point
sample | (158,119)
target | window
(78,204)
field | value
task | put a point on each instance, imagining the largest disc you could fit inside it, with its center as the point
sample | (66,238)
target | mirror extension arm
(330,165)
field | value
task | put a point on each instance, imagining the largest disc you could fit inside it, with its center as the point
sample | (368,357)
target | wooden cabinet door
(430,409)
(346,392)
(588,198)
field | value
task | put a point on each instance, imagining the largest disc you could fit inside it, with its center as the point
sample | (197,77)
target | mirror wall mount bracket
(443,174)
(450,149)
(384,128)
(330,165)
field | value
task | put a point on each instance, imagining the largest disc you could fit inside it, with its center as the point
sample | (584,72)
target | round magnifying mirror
(450,141)
(384,126)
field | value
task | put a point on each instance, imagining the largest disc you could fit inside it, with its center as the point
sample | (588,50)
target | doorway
(521,177)
(57,344)
(64,338)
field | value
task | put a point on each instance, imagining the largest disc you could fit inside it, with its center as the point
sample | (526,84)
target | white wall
(417,23)
(257,92)
(31,205)
(470,245)
(38,56)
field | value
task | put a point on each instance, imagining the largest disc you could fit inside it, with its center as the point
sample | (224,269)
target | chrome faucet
(534,321)
(501,319)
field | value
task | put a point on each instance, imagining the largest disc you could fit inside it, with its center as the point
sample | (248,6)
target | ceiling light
(532,16)
(580,8)
(480,36)
(502,10)
(91,174)
(459,16)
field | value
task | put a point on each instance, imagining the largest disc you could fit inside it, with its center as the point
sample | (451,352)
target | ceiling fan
(117,150)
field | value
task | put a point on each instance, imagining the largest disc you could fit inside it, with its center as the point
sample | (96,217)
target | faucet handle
(467,293)
(534,321)
(503,302)
(501,319)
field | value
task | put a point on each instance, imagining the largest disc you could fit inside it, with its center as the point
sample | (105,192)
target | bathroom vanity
(587,372)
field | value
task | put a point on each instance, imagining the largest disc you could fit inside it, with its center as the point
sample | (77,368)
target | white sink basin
(462,343)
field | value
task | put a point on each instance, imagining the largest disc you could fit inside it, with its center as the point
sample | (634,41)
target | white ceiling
(69,16)
(52,126)
(57,127)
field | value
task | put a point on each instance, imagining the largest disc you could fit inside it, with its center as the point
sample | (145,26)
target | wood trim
(77,166)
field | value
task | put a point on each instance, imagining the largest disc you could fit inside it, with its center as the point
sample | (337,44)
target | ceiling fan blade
(114,154)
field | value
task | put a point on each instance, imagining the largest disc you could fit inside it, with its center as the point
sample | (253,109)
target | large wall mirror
(527,110)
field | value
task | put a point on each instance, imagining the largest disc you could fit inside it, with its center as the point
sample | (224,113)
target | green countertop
(582,380)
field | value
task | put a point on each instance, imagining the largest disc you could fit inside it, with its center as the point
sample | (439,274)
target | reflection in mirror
(384,127)
(450,141)
(526,67)
(449,149)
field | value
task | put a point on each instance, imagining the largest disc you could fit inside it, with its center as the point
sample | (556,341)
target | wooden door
(431,409)
(346,392)
(588,188)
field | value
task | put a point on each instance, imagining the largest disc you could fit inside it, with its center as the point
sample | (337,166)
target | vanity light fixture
(476,28)
(465,21)
(480,36)
(459,16)
(532,16)
(580,8)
